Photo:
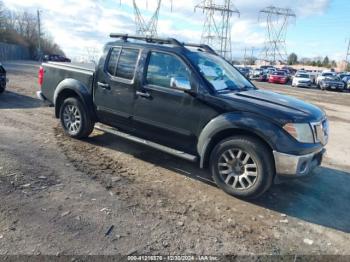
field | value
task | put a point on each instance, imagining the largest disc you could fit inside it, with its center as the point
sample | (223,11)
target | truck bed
(55,73)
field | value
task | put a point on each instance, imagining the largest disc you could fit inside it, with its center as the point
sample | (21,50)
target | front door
(115,87)
(166,115)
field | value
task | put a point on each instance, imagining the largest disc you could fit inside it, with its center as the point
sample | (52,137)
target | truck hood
(280,108)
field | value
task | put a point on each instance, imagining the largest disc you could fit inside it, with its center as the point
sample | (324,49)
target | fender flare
(240,122)
(79,89)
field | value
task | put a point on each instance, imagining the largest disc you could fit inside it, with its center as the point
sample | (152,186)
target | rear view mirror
(180,83)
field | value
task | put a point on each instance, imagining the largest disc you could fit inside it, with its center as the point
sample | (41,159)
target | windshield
(302,76)
(332,78)
(328,74)
(219,73)
(280,73)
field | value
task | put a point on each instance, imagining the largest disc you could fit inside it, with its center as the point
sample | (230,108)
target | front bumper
(299,84)
(258,78)
(297,166)
(278,81)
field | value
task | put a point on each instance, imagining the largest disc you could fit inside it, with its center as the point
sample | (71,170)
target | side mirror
(180,83)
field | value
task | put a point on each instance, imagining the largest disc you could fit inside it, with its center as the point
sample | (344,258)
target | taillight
(41,76)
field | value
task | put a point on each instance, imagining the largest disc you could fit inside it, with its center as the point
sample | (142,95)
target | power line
(277,20)
(217,31)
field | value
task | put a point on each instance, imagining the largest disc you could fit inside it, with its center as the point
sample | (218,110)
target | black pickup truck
(186,100)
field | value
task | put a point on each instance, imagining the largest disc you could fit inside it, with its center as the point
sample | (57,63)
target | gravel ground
(105,195)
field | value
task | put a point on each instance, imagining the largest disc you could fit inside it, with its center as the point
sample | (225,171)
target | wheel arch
(228,125)
(73,88)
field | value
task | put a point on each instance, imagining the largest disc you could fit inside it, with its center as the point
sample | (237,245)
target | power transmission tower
(217,25)
(143,27)
(277,21)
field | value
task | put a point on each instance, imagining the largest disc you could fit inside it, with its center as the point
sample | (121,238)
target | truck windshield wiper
(235,89)
(228,89)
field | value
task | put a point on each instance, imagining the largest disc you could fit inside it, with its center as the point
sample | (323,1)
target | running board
(165,149)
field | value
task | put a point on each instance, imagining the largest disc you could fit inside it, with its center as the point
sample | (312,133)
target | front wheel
(75,119)
(242,166)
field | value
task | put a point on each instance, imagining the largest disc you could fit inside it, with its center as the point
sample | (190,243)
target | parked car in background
(56,58)
(258,74)
(332,83)
(343,75)
(291,70)
(324,75)
(279,77)
(346,81)
(3,79)
(244,70)
(267,67)
(313,75)
(288,73)
(302,80)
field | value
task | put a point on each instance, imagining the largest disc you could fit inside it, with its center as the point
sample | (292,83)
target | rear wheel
(242,167)
(75,119)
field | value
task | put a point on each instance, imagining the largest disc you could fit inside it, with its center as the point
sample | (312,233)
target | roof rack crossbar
(125,37)
(171,41)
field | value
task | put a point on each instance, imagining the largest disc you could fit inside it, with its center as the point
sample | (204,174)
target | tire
(226,175)
(75,119)
(2,89)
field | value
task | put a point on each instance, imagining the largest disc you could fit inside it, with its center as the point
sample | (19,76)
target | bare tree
(21,28)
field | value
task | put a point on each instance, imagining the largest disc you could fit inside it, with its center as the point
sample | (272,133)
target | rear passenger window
(113,59)
(127,63)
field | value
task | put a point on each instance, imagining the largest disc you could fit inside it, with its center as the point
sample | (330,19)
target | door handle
(143,94)
(104,85)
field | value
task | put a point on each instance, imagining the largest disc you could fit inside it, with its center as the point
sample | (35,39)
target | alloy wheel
(238,169)
(72,119)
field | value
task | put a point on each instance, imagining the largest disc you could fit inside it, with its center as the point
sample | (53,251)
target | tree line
(21,28)
(319,62)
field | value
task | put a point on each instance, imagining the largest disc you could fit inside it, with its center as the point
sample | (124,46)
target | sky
(81,27)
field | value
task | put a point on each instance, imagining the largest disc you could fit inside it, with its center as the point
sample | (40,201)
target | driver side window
(162,67)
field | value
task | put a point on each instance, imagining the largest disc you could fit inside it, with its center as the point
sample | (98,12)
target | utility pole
(217,25)
(39,33)
(348,53)
(245,56)
(277,20)
(252,56)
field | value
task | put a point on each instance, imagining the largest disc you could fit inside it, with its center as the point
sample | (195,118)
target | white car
(302,79)
(323,76)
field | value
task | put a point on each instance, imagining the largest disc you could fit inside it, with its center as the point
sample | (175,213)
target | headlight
(301,132)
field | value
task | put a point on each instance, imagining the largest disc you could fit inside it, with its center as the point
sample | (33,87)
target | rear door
(115,88)
(162,113)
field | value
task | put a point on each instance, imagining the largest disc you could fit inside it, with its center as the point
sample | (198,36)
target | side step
(165,149)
